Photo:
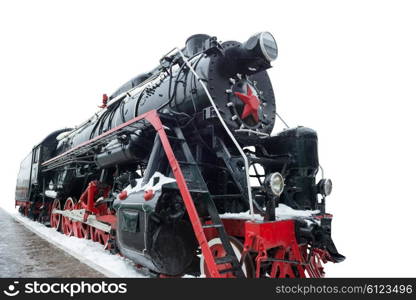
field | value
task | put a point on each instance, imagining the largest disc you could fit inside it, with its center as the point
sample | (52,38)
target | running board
(78,215)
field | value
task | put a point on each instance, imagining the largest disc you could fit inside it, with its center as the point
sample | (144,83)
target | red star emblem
(251,104)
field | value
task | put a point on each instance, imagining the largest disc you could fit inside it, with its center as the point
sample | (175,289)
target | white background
(345,68)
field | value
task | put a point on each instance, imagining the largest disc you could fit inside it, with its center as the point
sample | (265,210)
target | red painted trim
(267,233)
(324,216)
(22,203)
(109,219)
(251,104)
(233,227)
(280,235)
(91,192)
(148,195)
(123,195)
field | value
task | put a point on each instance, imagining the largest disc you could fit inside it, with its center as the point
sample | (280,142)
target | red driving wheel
(99,236)
(55,218)
(218,251)
(315,257)
(81,230)
(67,223)
(283,268)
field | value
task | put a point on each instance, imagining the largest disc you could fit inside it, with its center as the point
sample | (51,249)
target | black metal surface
(301,145)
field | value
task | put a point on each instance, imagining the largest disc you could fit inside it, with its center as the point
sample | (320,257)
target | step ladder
(177,139)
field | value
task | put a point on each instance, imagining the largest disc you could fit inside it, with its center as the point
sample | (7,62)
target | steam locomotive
(179,172)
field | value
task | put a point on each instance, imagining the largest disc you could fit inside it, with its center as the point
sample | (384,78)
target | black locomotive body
(217,106)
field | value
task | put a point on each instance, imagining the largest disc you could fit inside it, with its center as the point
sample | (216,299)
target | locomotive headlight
(275,183)
(263,45)
(325,187)
(268,46)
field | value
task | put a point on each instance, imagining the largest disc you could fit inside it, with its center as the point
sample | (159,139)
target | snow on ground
(94,255)
(10,208)
(87,251)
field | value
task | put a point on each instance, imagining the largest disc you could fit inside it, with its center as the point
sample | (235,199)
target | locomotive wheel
(93,237)
(32,212)
(103,238)
(317,257)
(218,251)
(67,223)
(99,236)
(45,214)
(282,269)
(55,218)
(81,230)
(24,210)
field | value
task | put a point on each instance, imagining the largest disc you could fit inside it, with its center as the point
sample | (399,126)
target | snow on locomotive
(179,172)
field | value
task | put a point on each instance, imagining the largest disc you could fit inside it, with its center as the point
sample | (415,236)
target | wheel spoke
(67,224)
(81,230)
(218,251)
(55,219)
(283,269)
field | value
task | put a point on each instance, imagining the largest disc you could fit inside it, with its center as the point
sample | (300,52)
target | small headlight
(268,46)
(262,45)
(325,187)
(275,183)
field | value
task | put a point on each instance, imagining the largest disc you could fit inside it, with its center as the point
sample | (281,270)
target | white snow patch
(286,212)
(243,216)
(283,212)
(87,251)
(10,208)
(193,277)
(149,186)
(51,194)
(63,135)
